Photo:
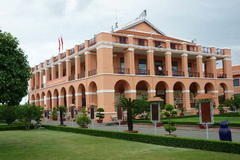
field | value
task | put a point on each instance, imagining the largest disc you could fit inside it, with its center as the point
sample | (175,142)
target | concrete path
(182,131)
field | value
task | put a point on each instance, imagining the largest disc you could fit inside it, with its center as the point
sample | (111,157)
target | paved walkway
(182,131)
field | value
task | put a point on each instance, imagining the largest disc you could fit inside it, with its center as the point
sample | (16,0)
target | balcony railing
(120,39)
(121,70)
(81,75)
(221,75)
(92,41)
(193,74)
(141,42)
(219,51)
(72,77)
(206,50)
(64,55)
(81,47)
(92,72)
(178,73)
(161,73)
(37,87)
(142,72)
(72,51)
(208,75)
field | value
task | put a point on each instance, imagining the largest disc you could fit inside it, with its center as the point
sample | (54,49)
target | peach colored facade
(137,60)
(236,77)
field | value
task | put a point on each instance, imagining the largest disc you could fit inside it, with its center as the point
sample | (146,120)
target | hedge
(202,144)
(11,127)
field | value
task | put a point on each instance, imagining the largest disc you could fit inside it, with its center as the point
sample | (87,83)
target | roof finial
(142,15)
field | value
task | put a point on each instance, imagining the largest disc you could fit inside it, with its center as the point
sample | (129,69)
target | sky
(38,23)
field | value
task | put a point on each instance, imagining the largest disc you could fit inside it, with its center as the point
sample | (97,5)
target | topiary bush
(83,120)
(169,127)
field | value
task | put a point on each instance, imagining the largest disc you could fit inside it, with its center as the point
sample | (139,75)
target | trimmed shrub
(202,144)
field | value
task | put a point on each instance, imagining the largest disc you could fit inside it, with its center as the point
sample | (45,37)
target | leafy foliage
(38,113)
(14,70)
(54,113)
(169,111)
(142,109)
(128,104)
(99,114)
(62,110)
(26,113)
(83,120)
(8,113)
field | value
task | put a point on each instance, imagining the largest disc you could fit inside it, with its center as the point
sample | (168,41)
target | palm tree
(128,104)
(62,109)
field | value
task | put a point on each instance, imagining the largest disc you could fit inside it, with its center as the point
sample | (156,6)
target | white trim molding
(151,91)
(213,58)
(60,96)
(68,60)
(150,51)
(185,91)
(130,91)
(199,56)
(77,56)
(104,46)
(131,49)
(105,91)
(229,91)
(54,97)
(168,53)
(213,91)
(48,99)
(87,52)
(201,91)
(69,95)
(227,59)
(184,55)
(90,93)
(78,94)
(169,91)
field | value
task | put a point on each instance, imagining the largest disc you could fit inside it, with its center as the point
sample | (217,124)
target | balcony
(72,51)
(177,73)
(219,51)
(193,74)
(92,41)
(141,42)
(206,50)
(121,70)
(221,75)
(208,75)
(120,39)
(92,72)
(81,75)
(81,47)
(142,72)
(161,73)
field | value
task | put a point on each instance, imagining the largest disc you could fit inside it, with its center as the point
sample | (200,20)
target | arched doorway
(72,97)
(82,95)
(142,88)
(33,99)
(93,94)
(49,100)
(193,88)
(37,102)
(209,88)
(56,98)
(178,94)
(63,94)
(221,92)
(120,89)
(161,88)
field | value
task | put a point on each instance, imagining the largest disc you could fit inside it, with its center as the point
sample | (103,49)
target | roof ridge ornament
(143,15)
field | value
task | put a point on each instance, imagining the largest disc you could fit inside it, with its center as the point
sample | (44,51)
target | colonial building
(137,60)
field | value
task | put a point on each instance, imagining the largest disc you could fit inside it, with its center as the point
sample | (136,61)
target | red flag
(59,44)
(62,42)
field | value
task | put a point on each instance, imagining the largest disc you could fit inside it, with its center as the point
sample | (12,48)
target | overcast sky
(39,23)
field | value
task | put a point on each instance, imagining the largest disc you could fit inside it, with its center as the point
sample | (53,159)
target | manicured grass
(45,144)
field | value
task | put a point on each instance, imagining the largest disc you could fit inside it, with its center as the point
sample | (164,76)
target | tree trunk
(129,119)
(61,118)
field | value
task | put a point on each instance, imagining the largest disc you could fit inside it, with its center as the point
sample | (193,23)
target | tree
(14,70)
(38,113)
(143,108)
(128,104)
(82,119)
(169,111)
(62,110)
(8,113)
(26,113)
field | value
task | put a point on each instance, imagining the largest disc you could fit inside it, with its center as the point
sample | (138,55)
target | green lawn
(217,119)
(53,145)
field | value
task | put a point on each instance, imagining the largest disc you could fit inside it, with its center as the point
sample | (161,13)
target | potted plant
(182,109)
(173,113)
(100,115)
(169,127)
(220,108)
(82,119)
(54,114)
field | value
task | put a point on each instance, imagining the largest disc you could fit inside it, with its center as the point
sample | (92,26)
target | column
(104,52)
(150,62)
(37,80)
(41,79)
(186,99)
(48,103)
(227,63)
(47,75)
(129,60)
(78,100)
(199,65)
(87,62)
(184,58)
(69,100)
(228,94)
(213,66)
(53,72)
(68,68)
(168,63)
(60,70)
(61,100)
(169,97)
(54,102)
(77,66)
